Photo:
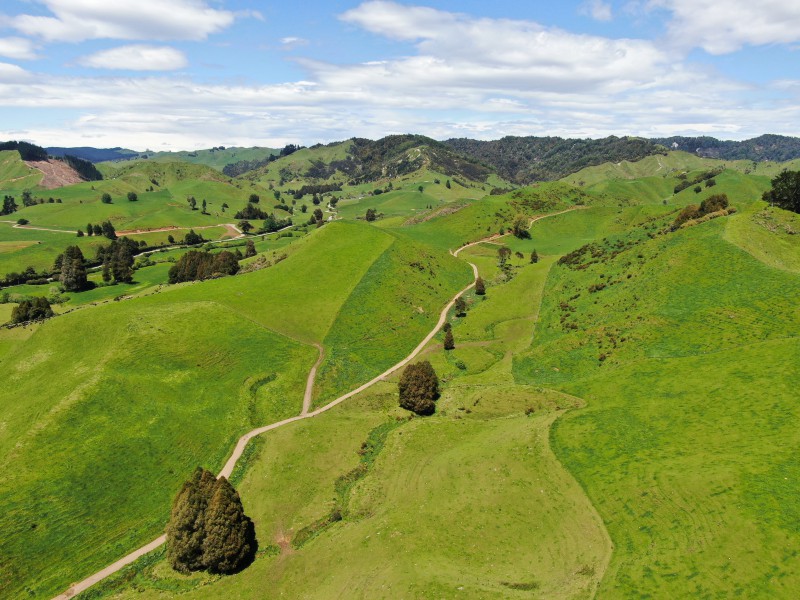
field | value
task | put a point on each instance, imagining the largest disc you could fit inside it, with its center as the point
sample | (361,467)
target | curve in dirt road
(241,444)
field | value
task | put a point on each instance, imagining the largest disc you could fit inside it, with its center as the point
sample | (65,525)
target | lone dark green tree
(480,287)
(449,342)
(534,257)
(249,249)
(419,388)
(461,307)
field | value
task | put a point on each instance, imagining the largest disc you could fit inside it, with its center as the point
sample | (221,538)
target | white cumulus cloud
(17,48)
(136,57)
(79,20)
(723,27)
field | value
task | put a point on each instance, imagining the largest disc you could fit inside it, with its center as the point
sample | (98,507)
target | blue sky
(171,74)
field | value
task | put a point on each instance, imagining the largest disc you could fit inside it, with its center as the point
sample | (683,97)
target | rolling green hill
(216,158)
(673,343)
(111,414)
(616,419)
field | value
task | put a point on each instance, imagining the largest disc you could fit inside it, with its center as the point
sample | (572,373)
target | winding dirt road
(306,413)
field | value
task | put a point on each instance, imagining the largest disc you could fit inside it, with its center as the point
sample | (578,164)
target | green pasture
(685,359)
(145,390)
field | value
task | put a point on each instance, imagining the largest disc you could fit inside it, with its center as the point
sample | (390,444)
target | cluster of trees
(117,260)
(28,275)
(419,388)
(26,151)
(320,189)
(271,223)
(105,229)
(29,200)
(710,205)
(196,265)
(72,265)
(371,215)
(785,192)
(85,169)
(35,309)
(317,218)
(251,212)
(706,176)
(208,529)
(9,206)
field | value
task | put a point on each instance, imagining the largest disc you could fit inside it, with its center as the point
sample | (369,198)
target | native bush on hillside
(36,309)
(785,192)
(528,159)
(712,204)
(196,265)
(208,530)
(419,388)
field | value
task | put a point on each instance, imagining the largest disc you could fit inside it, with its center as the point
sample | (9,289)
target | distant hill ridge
(521,160)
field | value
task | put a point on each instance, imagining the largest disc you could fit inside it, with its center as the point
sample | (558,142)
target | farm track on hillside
(238,450)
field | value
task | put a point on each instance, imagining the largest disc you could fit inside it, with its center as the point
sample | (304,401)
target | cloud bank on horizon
(169,74)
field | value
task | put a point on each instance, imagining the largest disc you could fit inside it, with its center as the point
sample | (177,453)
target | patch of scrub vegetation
(673,342)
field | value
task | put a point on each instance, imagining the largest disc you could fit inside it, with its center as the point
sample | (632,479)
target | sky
(190,74)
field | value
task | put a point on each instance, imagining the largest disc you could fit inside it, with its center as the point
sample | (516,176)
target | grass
(92,457)
(768,234)
(470,503)
(394,306)
(685,447)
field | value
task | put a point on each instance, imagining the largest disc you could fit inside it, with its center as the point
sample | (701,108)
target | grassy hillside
(155,368)
(15,175)
(91,458)
(470,503)
(211,157)
(687,460)
(455,225)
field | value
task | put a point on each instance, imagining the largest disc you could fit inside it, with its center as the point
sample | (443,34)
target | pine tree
(186,528)
(250,249)
(480,287)
(229,532)
(534,257)
(89,229)
(449,342)
(461,307)
(73,270)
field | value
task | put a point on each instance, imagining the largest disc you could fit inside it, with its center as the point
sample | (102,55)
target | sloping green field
(686,359)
